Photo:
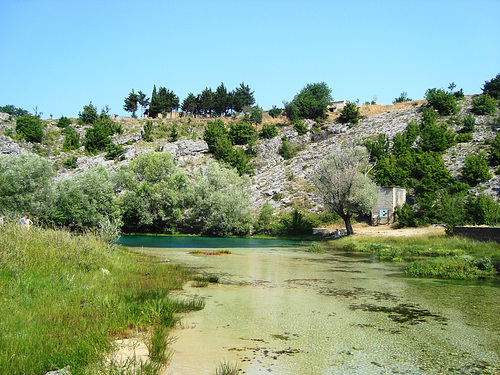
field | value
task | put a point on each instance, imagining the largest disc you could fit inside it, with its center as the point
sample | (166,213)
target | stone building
(389,198)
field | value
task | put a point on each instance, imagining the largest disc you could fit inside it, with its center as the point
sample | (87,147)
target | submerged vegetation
(66,298)
(438,256)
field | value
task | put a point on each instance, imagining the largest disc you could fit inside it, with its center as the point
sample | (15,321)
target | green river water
(281,310)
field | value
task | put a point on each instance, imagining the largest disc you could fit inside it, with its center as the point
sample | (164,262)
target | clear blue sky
(59,55)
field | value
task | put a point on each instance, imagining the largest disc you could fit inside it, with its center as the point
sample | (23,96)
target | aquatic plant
(315,247)
(464,267)
(226,368)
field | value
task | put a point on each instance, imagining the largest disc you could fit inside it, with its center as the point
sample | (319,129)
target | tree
(206,100)
(71,139)
(154,106)
(275,112)
(143,101)
(190,104)
(312,101)
(402,98)
(444,102)
(30,128)
(89,114)
(63,122)
(484,105)
(242,97)
(350,114)
(476,169)
(13,111)
(221,101)
(266,218)
(131,103)
(256,115)
(492,87)
(242,133)
(342,182)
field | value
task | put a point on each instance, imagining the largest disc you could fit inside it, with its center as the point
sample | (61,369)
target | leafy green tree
(154,105)
(312,101)
(343,184)
(89,114)
(256,115)
(444,102)
(268,131)
(275,112)
(97,138)
(13,111)
(207,101)
(30,128)
(83,201)
(291,110)
(402,98)
(131,103)
(378,148)
(25,184)
(469,124)
(483,210)
(491,87)
(221,100)
(242,97)
(484,105)
(215,130)
(153,191)
(219,204)
(476,169)
(71,139)
(190,104)
(143,101)
(242,133)
(63,122)
(350,114)
(266,219)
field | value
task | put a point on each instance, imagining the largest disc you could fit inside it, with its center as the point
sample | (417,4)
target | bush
(469,125)
(350,114)
(63,122)
(444,102)
(268,131)
(484,105)
(275,112)
(464,137)
(13,111)
(114,152)
(476,169)
(213,132)
(402,98)
(30,128)
(492,87)
(311,102)
(148,129)
(287,150)
(71,140)
(300,127)
(70,163)
(89,114)
(242,133)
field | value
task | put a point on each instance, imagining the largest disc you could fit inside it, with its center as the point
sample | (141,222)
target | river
(279,309)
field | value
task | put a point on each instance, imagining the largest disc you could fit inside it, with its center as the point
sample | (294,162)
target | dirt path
(388,231)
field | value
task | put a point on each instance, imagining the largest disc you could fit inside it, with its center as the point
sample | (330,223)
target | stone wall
(479,233)
(390,197)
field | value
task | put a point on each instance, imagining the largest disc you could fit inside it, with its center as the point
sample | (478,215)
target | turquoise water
(281,310)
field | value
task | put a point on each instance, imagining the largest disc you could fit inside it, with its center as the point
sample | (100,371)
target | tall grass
(432,256)
(60,306)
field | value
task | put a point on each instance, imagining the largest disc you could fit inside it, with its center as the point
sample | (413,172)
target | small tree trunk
(348,225)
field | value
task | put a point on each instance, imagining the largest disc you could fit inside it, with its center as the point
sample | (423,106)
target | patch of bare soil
(362,229)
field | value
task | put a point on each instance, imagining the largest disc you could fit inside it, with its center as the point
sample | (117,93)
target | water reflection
(285,311)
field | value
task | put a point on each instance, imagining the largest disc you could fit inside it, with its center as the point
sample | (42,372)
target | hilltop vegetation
(246,171)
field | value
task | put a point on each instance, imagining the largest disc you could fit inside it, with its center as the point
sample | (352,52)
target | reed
(65,298)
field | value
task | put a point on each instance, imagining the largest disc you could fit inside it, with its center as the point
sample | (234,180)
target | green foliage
(214,131)
(436,138)
(219,204)
(242,97)
(378,148)
(221,100)
(241,161)
(405,216)
(275,112)
(256,115)
(63,122)
(30,128)
(265,219)
(114,152)
(287,150)
(174,133)
(444,102)
(482,210)
(464,137)
(242,133)
(268,131)
(97,137)
(495,151)
(131,103)
(164,101)
(461,267)
(190,104)
(70,163)
(310,103)
(13,111)
(469,124)
(491,87)
(300,126)
(484,105)
(476,169)
(402,98)
(71,139)
(89,114)
(350,114)
(295,223)
(25,184)
(146,134)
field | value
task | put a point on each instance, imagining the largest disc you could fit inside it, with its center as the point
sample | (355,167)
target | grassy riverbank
(437,255)
(66,298)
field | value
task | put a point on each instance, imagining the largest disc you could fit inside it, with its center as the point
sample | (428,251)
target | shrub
(70,163)
(444,102)
(350,114)
(402,98)
(114,152)
(268,131)
(30,128)
(464,137)
(242,133)
(492,87)
(484,105)
(495,150)
(71,139)
(89,114)
(256,115)
(287,150)
(63,122)
(476,169)
(275,112)
(146,133)
(483,210)
(13,111)
(300,126)
(469,124)
(311,102)
(213,132)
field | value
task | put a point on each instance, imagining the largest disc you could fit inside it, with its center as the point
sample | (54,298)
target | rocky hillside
(284,183)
